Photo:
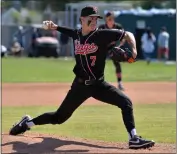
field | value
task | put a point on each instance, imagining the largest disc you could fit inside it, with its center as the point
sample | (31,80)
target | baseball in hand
(45,24)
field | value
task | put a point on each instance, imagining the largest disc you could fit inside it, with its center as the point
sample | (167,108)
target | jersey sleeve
(111,35)
(67,31)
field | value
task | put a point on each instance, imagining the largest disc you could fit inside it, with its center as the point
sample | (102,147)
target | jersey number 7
(93,58)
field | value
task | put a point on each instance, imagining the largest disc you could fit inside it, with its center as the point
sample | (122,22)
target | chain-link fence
(10,27)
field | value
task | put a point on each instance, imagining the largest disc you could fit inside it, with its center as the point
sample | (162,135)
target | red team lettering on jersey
(84,49)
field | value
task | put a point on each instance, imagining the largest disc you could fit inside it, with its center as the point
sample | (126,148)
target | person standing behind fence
(19,35)
(148,39)
(111,24)
(163,44)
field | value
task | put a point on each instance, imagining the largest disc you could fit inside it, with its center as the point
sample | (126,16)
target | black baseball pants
(79,92)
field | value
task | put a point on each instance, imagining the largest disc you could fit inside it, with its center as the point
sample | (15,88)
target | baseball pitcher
(90,49)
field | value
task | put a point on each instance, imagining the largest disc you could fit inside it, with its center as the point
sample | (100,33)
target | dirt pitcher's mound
(37,144)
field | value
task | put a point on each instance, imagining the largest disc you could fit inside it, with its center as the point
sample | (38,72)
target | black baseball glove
(121,55)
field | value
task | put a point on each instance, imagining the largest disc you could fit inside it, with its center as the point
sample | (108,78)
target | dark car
(44,43)
(47,46)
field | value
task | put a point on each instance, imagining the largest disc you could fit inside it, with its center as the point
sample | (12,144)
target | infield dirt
(23,94)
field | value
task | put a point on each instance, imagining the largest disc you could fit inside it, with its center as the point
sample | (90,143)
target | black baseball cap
(90,11)
(109,14)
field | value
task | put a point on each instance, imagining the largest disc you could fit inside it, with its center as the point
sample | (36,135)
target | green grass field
(58,70)
(103,122)
(156,121)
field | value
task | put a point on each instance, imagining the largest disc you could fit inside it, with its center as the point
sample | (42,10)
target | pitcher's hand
(49,25)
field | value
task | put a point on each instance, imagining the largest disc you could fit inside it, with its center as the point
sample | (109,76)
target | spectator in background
(16,48)
(163,44)
(19,35)
(148,39)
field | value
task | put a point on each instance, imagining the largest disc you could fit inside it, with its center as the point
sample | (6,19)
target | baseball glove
(120,55)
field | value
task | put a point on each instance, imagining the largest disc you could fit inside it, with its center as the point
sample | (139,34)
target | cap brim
(96,15)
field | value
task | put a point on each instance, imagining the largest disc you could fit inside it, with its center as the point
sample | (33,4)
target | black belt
(89,81)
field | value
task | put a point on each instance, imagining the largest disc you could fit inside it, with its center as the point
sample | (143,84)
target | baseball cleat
(137,142)
(20,127)
(120,86)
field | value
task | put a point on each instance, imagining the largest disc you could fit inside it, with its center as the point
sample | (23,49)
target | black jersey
(91,50)
(115,26)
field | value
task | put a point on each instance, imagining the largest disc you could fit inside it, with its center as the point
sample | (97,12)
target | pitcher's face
(89,22)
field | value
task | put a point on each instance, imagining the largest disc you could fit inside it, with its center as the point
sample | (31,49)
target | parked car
(44,43)
(47,46)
